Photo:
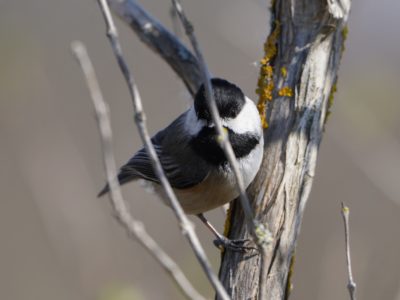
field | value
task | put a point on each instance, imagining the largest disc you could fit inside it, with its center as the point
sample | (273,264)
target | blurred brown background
(58,241)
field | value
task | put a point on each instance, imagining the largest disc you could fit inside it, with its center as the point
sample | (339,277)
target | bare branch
(351,285)
(253,226)
(133,227)
(161,41)
(186,227)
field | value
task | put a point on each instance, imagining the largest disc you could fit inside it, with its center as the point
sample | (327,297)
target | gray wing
(181,165)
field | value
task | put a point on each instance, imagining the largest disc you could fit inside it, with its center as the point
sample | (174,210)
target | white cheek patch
(248,120)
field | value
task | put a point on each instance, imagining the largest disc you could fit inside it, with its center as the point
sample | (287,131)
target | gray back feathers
(181,165)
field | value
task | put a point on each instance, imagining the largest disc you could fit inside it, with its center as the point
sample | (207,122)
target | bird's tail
(122,178)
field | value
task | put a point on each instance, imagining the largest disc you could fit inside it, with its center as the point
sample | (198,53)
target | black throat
(205,145)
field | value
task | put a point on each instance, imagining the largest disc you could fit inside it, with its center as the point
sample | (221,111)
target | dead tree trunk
(298,75)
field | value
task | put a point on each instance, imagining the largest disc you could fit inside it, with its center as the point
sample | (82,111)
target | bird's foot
(240,245)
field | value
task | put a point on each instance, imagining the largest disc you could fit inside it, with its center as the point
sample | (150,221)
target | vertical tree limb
(134,227)
(186,227)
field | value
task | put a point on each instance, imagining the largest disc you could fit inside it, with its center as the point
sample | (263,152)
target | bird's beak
(218,138)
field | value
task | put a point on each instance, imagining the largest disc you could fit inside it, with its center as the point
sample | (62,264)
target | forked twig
(351,285)
(133,227)
(186,227)
(255,229)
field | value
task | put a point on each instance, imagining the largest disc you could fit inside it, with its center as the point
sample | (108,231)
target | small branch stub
(140,117)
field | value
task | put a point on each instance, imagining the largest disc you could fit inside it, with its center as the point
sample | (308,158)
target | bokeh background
(58,241)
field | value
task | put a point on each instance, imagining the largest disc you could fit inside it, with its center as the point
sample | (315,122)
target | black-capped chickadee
(193,160)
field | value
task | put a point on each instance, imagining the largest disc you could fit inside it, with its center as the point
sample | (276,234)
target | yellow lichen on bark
(284,72)
(330,101)
(265,85)
(285,92)
(345,33)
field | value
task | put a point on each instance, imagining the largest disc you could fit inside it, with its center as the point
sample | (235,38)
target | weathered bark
(308,36)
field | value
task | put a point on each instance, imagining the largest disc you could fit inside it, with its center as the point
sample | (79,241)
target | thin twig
(133,227)
(186,227)
(351,285)
(254,228)
(176,25)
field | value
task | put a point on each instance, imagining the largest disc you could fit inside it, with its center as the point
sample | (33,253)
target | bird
(193,160)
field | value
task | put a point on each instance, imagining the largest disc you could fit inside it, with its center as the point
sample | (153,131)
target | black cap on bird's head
(228,97)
